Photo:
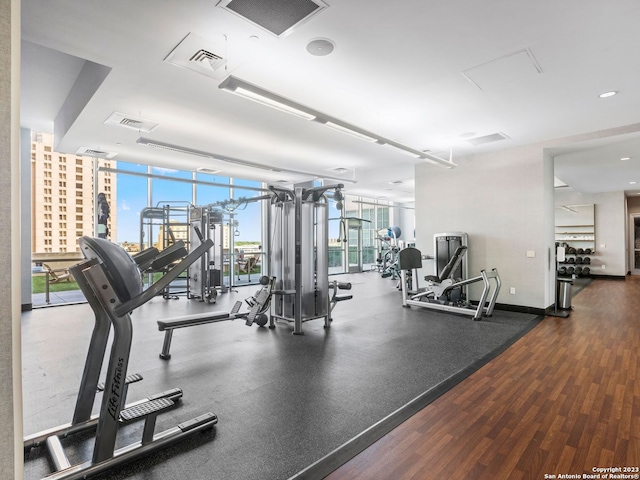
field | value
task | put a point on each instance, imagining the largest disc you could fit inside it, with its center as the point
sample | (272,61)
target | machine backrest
(409,258)
(119,267)
(455,260)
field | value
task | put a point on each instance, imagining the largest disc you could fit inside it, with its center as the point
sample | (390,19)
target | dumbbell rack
(578,262)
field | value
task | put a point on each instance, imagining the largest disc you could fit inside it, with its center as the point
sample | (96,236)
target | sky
(132,198)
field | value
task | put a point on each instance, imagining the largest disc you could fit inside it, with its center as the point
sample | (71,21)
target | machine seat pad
(186,320)
(409,258)
(432,278)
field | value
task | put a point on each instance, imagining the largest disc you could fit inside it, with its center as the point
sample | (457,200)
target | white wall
(610,228)
(504,202)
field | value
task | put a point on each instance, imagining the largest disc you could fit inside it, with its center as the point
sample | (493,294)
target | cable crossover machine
(299,256)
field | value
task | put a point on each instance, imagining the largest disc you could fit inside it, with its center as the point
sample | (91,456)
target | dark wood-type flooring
(563,399)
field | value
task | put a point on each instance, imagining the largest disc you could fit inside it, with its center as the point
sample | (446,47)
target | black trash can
(564,294)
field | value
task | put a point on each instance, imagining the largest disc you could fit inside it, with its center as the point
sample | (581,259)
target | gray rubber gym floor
(288,406)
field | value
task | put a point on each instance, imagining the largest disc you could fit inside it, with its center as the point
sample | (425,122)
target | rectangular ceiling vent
(207,59)
(196,53)
(91,152)
(129,121)
(494,137)
(276,17)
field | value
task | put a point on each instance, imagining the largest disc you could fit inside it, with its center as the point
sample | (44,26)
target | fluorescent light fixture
(608,94)
(350,131)
(624,159)
(243,92)
(257,94)
(236,161)
(364,202)
(253,92)
(632,183)
(404,150)
(172,148)
(569,209)
(210,171)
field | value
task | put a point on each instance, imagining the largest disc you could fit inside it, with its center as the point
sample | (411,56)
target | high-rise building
(63,197)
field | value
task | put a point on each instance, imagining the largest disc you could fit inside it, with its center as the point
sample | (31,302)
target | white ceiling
(418,72)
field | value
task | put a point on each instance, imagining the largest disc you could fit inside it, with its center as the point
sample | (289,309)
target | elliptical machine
(111,281)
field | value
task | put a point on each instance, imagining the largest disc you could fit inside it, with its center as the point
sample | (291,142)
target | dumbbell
(586,271)
(578,270)
(570,270)
(587,251)
(562,271)
(586,260)
(579,260)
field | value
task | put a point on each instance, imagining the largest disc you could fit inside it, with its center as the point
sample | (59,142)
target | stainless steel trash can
(564,294)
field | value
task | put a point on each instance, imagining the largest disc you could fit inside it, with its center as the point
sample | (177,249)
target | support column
(11,456)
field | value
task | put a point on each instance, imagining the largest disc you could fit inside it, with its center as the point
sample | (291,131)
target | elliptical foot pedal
(145,409)
(236,308)
(198,421)
(133,378)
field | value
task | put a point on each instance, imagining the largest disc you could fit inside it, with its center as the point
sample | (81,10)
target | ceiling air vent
(129,121)
(278,18)
(196,53)
(207,59)
(90,152)
(494,137)
(210,171)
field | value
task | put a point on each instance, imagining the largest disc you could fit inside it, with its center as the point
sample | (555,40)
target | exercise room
(307,240)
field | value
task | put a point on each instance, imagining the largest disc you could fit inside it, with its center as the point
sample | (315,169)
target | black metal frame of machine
(111,281)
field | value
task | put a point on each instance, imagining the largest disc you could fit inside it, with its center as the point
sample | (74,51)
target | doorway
(354,245)
(634,237)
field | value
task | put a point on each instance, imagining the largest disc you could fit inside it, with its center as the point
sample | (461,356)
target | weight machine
(172,224)
(299,254)
(205,275)
(387,261)
(436,294)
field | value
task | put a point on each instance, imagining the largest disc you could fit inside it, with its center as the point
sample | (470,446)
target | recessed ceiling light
(607,94)
(625,158)
(632,183)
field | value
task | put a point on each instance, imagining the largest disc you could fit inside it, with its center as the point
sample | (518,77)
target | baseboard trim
(520,309)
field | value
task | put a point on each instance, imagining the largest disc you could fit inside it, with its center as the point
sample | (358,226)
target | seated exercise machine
(112,284)
(335,298)
(258,306)
(437,293)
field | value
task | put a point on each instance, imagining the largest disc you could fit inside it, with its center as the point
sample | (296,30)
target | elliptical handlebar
(163,282)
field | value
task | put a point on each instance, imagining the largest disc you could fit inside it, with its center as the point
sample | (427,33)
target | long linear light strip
(177,179)
(350,131)
(253,92)
(243,92)
(236,161)
(383,205)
